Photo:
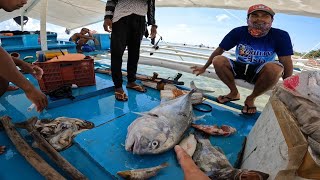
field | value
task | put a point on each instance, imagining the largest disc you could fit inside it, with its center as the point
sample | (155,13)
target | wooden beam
(27,152)
(49,150)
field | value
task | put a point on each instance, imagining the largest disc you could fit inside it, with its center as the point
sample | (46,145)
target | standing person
(256,48)
(126,20)
(9,72)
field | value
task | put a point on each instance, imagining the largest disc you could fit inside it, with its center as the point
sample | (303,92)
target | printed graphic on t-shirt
(245,53)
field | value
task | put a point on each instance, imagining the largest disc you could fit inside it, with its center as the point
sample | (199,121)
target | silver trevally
(161,128)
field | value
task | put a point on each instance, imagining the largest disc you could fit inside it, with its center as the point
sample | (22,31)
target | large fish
(215,164)
(161,128)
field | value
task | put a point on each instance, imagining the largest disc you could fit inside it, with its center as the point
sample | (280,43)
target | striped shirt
(116,9)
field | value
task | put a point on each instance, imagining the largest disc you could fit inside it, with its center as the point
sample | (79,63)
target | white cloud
(181,25)
(222,17)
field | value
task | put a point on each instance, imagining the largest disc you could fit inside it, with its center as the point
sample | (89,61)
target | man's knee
(220,61)
(273,69)
(3,86)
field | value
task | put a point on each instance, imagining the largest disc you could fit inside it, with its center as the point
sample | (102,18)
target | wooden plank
(49,150)
(27,152)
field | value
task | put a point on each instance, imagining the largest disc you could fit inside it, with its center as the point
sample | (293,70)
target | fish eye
(154,144)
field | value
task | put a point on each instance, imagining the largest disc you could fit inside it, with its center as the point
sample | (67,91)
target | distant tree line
(312,54)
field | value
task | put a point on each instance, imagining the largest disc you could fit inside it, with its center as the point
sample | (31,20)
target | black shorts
(248,72)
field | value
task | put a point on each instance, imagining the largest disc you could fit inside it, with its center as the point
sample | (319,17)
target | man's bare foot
(120,95)
(249,107)
(12,88)
(2,149)
(229,97)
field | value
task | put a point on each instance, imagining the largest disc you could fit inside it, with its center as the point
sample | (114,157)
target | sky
(206,26)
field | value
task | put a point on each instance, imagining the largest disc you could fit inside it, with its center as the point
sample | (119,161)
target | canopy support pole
(43,25)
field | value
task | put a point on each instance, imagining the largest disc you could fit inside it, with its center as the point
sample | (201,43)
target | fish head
(148,138)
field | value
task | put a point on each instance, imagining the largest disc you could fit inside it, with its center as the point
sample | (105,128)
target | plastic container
(58,74)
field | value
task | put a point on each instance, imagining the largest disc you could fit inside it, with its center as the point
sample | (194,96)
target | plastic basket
(57,74)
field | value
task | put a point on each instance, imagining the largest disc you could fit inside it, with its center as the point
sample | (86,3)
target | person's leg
(4,84)
(224,71)
(137,28)
(267,78)
(118,46)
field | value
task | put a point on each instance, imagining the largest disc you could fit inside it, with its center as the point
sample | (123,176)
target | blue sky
(207,26)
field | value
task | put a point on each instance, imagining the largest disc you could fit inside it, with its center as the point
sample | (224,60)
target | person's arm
(32,69)
(110,7)
(84,36)
(216,52)
(9,72)
(199,70)
(190,169)
(286,61)
(151,18)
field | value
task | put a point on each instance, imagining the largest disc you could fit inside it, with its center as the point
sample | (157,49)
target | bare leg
(4,84)
(267,78)
(223,69)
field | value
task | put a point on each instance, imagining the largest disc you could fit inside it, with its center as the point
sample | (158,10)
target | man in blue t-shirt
(256,48)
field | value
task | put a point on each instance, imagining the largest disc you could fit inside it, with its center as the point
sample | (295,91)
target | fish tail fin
(163,165)
(125,174)
(193,86)
(32,121)
(200,135)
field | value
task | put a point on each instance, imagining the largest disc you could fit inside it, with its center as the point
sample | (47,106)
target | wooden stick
(49,150)
(32,157)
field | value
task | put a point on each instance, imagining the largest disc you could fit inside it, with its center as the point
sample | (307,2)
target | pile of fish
(212,161)
(59,132)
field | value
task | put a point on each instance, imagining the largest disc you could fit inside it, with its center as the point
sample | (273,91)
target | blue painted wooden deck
(99,153)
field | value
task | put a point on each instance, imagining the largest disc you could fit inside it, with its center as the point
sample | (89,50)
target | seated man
(256,48)
(82,38)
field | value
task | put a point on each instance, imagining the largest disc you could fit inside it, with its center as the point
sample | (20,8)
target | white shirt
(128,7)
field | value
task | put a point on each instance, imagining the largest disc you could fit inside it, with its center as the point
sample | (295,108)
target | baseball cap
(261,7)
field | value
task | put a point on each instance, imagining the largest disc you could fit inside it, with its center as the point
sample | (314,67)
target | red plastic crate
(57,74)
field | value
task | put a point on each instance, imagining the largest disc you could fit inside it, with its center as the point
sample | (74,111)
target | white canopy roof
(78,13)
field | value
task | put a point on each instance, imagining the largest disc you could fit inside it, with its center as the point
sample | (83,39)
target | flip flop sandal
(121,96)
(228,99)
(248,109)
(138,88)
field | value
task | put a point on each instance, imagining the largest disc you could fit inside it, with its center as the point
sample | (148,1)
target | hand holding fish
(190,169)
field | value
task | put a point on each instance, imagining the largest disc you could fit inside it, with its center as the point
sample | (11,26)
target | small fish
(215,130)
(139,174)
(189,144)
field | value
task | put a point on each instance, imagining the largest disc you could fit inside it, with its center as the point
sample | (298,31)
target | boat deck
(99,152)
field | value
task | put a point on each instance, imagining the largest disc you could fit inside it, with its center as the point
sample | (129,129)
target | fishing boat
(99,153)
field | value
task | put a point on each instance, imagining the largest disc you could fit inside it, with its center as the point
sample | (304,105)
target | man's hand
(107,25)
(38,98)
(197,70)
(153,31)
(34,70)
(190,169)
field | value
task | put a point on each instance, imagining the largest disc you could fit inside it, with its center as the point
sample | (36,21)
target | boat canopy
(73,14)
